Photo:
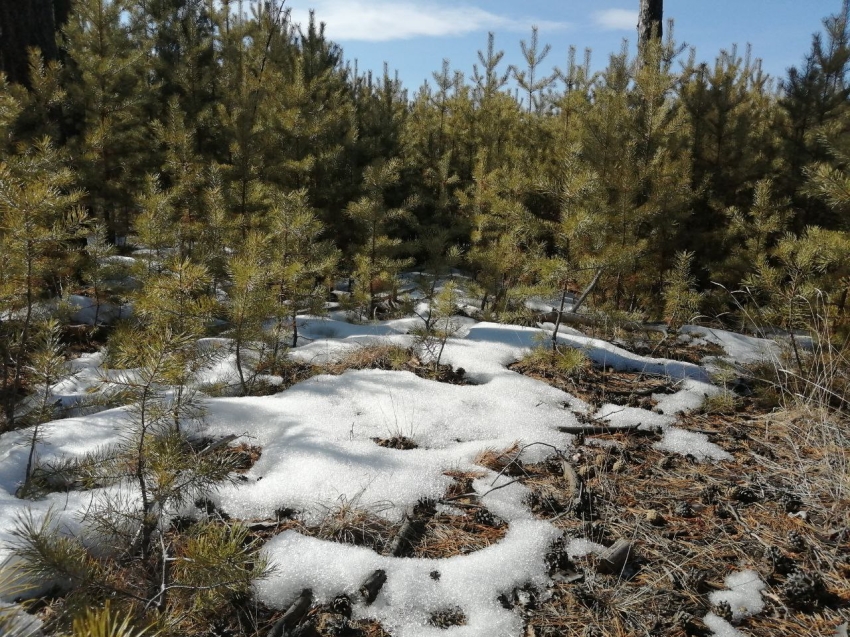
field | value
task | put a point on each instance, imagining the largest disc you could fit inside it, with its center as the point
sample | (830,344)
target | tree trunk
(650,21)
(61,11)
(24,25)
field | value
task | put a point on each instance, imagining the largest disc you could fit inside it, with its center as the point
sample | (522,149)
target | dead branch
(293,615)
(614,559)
(372,586)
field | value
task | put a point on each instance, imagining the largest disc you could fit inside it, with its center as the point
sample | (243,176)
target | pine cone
(709,494)
(557,558)
(743,494)
(424,508)
(694,579)
(803,591)
(683,510)
(790,503)
(341,605)
(781,563)
(796,542)
(484,517)
(723,610)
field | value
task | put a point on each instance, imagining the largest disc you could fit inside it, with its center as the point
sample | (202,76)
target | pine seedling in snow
(441,324)
(98,269)
(300,263)
(529,79)
(218,562)
(106,622)
(153,227)
(217,235)
(177,298)
(46,555)
(38,212)
(503,230)
(376,267)
(440,259)
(103,86)
(752,233)
(681,298)
(250,304)
(175,301)
(159,460)
(554,274)
(47,367)
(183,172)
(15,621)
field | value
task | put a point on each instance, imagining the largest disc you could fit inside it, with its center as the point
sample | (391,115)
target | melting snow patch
(86,310)
(738,347)
(744,598)
(471,582)
(720,627)
(619,417)
(579,547)
(685,443)
(691,396)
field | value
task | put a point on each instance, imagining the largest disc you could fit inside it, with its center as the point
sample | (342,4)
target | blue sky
(415,35)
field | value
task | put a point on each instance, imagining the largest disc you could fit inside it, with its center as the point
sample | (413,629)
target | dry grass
(448,535)
(402,443)
(396,358)
(292,372)
(387,357)
(497,460)
(591,383)
(717,519)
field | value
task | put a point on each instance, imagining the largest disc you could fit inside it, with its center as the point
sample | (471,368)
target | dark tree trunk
(61,12)
(650,21)
(25,24)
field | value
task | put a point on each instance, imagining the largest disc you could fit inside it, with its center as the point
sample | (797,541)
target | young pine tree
(375,262)
(250,304)
(103,90)
(47,366)
(178,577)
(39,213)
(300,263)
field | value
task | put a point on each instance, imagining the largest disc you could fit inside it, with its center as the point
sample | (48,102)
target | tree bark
(61,12)
(650,21)
(24,25)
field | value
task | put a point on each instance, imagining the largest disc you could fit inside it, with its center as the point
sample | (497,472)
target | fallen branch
(614,559)
(293,615)
(587,290)
(218,444)
(372,586)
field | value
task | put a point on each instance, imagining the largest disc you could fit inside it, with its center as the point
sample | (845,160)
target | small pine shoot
(681,298)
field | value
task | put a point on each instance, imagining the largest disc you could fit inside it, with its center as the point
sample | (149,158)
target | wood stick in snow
(372,586)
(294,614)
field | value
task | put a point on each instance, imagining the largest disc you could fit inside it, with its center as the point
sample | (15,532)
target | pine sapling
(681,298)
(47,367)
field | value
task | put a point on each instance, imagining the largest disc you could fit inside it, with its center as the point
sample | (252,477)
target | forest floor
(510,491)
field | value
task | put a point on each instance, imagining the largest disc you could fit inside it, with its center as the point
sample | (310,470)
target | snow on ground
(471,582)
(744,598)
(318,455)
(738,347)
(86,311)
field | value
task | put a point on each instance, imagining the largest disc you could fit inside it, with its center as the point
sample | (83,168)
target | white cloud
(384,20)
(616,19)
